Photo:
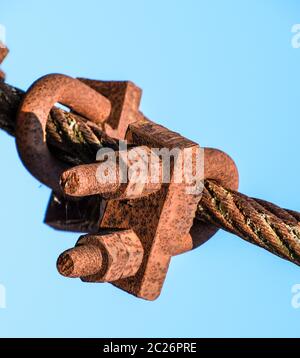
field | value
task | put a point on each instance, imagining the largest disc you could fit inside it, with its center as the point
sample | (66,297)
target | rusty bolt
(72,263)
(83,180)
(103,258)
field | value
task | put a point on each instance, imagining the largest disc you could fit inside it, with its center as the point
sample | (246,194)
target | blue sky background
(222,73)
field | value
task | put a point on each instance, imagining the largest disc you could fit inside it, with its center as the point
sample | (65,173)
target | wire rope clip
(133,230)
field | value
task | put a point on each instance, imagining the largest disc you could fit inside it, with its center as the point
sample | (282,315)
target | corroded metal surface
(33,116)
(83,260)
(83,180)
(145,229)
(221,168)
(103,258)
(163,220)
(125,99)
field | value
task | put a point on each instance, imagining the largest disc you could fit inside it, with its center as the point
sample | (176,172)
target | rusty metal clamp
(33,116)
(136,235)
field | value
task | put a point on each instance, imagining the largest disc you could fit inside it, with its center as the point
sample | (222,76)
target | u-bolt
(33,115)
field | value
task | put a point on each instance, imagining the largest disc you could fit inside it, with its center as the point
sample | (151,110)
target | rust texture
(124,97)
(73,262)
(33,116)
(258,221)
(82,181)
(103,258)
